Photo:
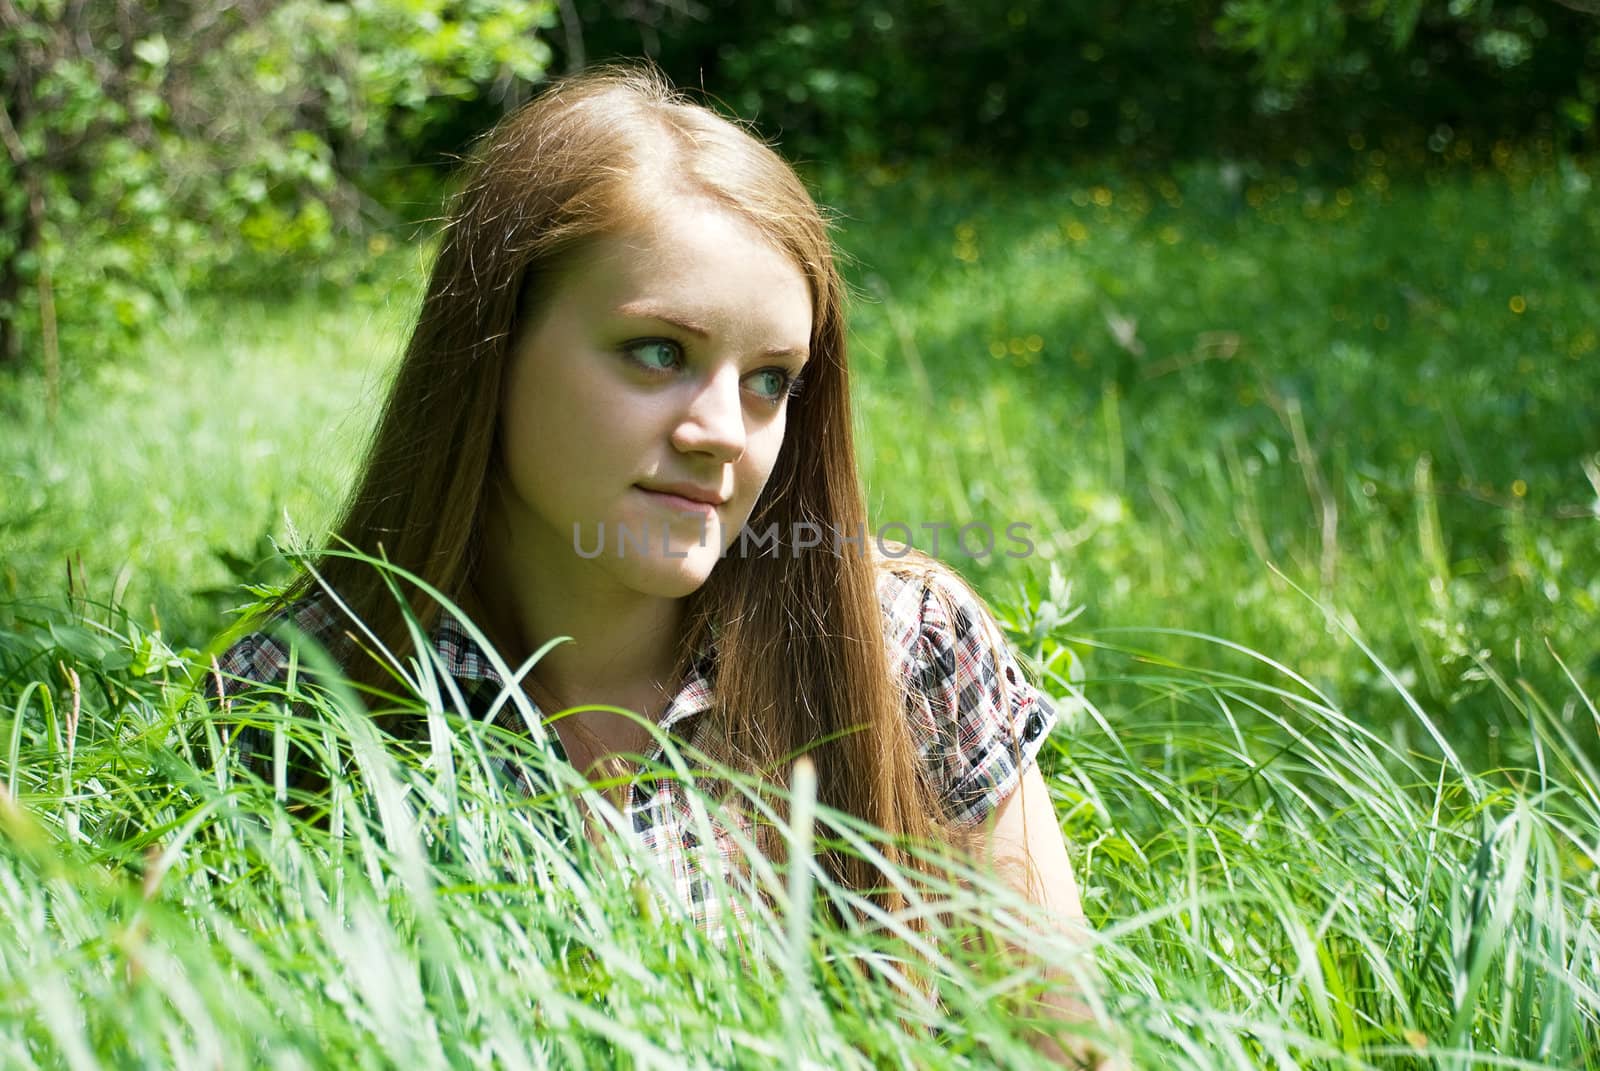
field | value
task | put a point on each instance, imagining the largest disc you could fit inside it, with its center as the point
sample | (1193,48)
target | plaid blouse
(977,724)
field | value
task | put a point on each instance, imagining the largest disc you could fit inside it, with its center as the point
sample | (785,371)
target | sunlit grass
(1191,384)
(169,466)
(1271,883)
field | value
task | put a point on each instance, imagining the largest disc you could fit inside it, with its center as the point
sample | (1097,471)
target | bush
(154,149)
(905,78)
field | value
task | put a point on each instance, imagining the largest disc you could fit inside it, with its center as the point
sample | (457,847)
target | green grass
(1271,883)
(1324,532)
(169,467)
(1390,403)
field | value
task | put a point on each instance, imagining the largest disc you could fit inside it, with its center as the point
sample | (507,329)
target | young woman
(624,417)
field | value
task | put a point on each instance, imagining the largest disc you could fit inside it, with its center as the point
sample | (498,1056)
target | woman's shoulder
(925,601)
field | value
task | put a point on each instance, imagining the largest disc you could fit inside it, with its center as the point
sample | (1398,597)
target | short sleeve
(983,722)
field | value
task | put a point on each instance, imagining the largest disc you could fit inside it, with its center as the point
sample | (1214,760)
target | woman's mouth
(678,503)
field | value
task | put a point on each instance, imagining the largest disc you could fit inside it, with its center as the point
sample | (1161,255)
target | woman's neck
(624,644)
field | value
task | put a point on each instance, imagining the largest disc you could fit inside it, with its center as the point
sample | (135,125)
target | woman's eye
(654,354)
(772,383)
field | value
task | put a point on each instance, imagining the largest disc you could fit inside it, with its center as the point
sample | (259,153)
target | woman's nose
(713,424)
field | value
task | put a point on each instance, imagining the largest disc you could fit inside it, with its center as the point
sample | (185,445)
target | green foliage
(230,422)
(903,79)
(1438,57)
(201,145)
(1269,884)
(1203,387)
(907,78)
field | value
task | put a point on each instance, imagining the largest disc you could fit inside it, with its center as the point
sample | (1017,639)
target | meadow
(1310,462)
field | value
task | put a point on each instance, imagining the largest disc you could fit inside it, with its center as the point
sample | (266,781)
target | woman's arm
(982,726)
(1026,848)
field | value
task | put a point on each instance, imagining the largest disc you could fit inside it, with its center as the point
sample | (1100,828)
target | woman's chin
(664,574)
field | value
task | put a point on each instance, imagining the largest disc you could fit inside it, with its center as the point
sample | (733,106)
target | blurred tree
(165,142)
(1466,62)
(1146,78)
(905,78)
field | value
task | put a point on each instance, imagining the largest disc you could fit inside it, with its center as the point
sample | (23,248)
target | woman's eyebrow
(646,310)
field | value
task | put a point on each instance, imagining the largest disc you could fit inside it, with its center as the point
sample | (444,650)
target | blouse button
(1034,727)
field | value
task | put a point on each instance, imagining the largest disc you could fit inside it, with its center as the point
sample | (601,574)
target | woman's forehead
(703,256)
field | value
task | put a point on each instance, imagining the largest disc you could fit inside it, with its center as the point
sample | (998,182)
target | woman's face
(662,357)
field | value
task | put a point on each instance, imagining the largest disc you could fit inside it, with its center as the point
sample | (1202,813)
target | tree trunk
(30,238)
(25,226)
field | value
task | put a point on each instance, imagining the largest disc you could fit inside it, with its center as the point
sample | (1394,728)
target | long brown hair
(802,665)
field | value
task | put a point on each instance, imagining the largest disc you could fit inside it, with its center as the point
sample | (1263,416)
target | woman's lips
(679,504)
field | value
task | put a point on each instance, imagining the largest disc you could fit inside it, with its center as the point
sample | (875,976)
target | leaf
(153,50)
